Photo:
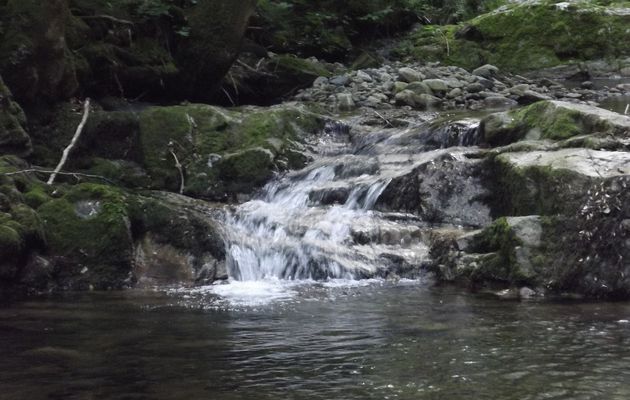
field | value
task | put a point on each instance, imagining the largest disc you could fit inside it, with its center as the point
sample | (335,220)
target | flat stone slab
(591,163)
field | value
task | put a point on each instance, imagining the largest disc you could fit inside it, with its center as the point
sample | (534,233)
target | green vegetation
(89,226)
(198,134)
(514,40)
(330,29)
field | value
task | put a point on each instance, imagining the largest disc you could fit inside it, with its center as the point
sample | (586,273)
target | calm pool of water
(374,340)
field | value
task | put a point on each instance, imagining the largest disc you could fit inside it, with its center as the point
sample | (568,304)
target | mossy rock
(13,136)
(299,67)
(511,38)
(554,120)
(21,230)
(11,246)
(200,135)
(247,169)
(535,189)
(88,231)
(176,241)
(107,134)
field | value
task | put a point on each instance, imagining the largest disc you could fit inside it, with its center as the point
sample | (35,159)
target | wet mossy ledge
(223,153)
(101,237)
(557,181)
(529,35)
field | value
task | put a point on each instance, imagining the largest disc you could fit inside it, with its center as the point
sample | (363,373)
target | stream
(327,299)
(341,339)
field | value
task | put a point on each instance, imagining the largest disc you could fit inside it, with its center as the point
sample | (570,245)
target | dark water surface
(379,341)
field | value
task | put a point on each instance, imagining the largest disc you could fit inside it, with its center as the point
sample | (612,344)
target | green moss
(36,196)
(122,172)
(296,65)
(10,242)
(536,190)
(247,169)
(197,133)
(555,123)
(30,226)
(13,136)
(513,39)
(501,265)
(99,240)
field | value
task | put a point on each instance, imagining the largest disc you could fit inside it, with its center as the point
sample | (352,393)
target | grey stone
(341,80)
(419,88)
(409,75)
(454,93)
(364,76)
(320,81)
(345,102)
(400,86)
(475,87)
(487,71)
(438,86)
(499,102)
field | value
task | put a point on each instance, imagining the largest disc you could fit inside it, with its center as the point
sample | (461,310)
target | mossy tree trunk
(34,57)
(216,31)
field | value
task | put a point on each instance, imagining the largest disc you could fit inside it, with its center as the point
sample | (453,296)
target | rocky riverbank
(528,188)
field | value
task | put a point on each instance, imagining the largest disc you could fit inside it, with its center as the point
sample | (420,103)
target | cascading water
(320,223)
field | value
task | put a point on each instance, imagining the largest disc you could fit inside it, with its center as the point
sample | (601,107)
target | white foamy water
(320,223)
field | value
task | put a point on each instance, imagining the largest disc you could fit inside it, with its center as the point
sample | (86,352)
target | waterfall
(322,223)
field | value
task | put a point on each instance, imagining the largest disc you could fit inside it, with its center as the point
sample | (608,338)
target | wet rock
(419,88)
(447,189)
(437,86)
(345,102)
(553,120)
(177,241)
(499,102)
(486,71)
(341,80)
(475,87)
(530,96)
(410,75)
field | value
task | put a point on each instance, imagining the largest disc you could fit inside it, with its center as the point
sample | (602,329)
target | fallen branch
(228,96)
(75,138)
(47,171)
(383,118)
(627,108)
(255,70)
(178,165)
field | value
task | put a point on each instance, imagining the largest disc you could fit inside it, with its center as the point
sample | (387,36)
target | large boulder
(558,193)
(175,241)
(94,236)
(555,120)
(89,236)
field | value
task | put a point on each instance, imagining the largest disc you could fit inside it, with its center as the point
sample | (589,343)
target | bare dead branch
(178,165)
(65,173)
(75,138)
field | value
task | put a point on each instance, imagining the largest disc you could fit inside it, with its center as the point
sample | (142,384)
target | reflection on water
(617,104)
(317,341)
